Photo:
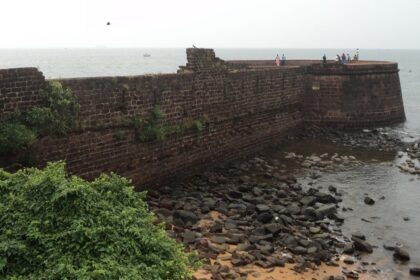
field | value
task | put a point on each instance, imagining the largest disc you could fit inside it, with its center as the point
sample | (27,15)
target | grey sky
(386,24)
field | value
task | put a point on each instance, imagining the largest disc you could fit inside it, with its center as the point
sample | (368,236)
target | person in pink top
(278,60)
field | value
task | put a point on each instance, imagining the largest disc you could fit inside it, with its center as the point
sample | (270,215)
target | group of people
(343,59)
(282,61)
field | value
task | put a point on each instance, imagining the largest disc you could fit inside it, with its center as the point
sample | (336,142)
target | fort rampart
(247,106)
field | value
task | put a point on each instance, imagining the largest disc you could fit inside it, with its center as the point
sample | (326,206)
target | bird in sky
(108,23)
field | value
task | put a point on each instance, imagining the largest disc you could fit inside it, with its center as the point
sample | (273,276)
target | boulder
(401,254)
(415,271)
(369,201)
(185,216)
(362,245)
(265,217)
(326,210)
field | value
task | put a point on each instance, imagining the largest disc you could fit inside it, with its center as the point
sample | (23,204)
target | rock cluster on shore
(411,164)
(250,214)
(265,224)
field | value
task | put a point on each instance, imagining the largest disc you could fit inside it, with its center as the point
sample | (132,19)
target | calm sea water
(402,191)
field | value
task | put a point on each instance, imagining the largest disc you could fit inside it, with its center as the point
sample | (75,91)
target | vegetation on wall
(59,227)
(153,129)
(57,115)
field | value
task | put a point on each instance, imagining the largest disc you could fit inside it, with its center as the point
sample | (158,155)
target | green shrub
(38,119)
(58,227)
(150,129)
(57,116)
(63,107)
(120,135)
(14,137)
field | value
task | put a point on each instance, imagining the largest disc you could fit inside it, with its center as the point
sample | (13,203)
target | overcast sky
(385,24)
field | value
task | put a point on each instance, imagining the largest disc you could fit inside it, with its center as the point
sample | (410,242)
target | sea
(377,178)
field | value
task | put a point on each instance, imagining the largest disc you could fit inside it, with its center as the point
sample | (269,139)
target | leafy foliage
(63,108)
(150,129)
(153,130)
(57,116)
(14,137)
(59,227)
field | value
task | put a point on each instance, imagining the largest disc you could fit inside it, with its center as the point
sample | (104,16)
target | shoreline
(282,227)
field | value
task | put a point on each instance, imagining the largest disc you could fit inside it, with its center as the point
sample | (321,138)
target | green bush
(58,227)
(63,107)
(14,137)
(150,129)
(39,119)
(57,116)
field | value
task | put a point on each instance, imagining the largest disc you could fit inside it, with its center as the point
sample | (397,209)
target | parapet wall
(247,106)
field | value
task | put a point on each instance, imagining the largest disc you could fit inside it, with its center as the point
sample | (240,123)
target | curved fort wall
(246,106)
(353,96)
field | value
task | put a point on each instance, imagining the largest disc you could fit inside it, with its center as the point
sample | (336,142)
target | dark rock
(369,201)
(325,197)
(264,264)
(216,228)
(314,230)
(389,247)
(262,207)
(308,200)
(332,189)
(326,210)
(348,260)
(309,212)
(185,216)
(209,203)
(237,262)
(273,228)
(163,212)
(401,254)
(358,235)
(166,203)
(258,238)
(281,194)
(218,239)
(337,217)
(244,247)
(348,249)
(362,245)
(244,178)
(415,271)
(265,217)
(298,250)
(293,209)
(266,249)
(312,250)
(351,274)
(188,237)
(235,194)
(235,238)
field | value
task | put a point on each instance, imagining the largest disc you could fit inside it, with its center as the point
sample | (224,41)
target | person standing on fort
(348,58)
(324,58)
(277,60)
(337,59)
(343,58)
(283,59)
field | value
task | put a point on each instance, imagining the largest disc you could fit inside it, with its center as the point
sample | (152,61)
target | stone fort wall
(247,106)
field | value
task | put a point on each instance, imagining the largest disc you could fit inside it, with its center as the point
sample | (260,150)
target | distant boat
(146,55)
